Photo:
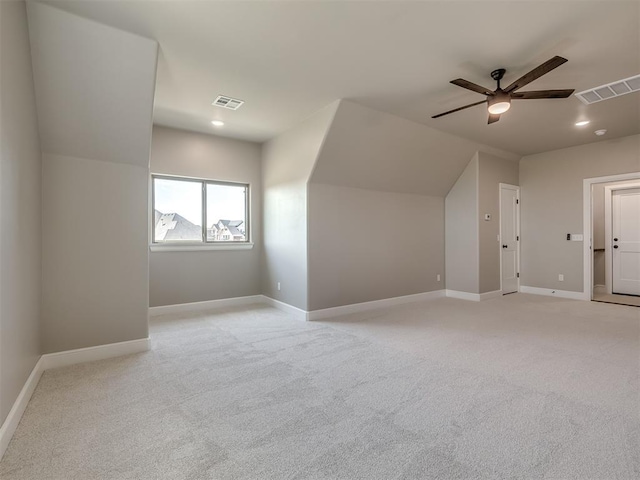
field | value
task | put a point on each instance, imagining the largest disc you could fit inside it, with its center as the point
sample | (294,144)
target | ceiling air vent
(610,90)
(227,102)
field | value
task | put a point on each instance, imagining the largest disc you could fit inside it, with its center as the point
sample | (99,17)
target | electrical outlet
(438,277)
(561,277)
(278,286)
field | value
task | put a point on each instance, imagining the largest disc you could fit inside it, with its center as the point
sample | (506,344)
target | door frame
(587,226)
(608,229)
(517,189)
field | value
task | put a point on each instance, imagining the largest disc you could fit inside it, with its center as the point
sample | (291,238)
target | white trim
(587,225)
(298,313)
(15,414)
(608,225)
(493,294)
(372,305)
(206,305)
(473,297)
(555,293)
(199,247)
(90,354)
(61,359)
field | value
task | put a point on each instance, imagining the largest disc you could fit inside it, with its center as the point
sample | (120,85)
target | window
(197,211)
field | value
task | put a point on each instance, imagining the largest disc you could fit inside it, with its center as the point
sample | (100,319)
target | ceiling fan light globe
(499,107)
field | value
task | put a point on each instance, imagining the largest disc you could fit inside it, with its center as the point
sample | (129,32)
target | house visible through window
(189,210)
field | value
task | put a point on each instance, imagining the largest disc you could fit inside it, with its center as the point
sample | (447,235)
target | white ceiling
(287,60)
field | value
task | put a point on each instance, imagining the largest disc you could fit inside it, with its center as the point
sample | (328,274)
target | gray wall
(95,270)
(20,213)
(492,171)
(461,232)
(94,96)
(183,277)
(287,163)
(366,245)
(551,207)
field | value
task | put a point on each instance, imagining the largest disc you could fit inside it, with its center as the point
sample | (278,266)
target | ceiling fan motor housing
(498,74)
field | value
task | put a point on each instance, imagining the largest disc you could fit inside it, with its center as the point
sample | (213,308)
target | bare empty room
(319,239)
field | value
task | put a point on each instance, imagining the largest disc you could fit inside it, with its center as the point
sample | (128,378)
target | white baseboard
(373,305)
(298,313)
(89,354)
(15,414)
(488,295)
(554,293)
(474,297)
(61,359)
(206,305)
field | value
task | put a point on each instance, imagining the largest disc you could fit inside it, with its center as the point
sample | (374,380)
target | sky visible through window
(181,197)
(224,202)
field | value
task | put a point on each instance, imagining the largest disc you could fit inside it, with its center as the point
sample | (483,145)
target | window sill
(199,247)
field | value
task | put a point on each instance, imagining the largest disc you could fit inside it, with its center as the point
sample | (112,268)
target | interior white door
(509,237)
(625,233)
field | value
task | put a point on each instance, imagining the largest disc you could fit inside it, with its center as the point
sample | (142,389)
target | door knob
(615,246)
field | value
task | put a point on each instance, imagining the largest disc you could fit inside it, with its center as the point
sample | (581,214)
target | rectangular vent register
(610,90)
(227,102)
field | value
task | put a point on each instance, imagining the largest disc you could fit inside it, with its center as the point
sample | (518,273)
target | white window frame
(203,244)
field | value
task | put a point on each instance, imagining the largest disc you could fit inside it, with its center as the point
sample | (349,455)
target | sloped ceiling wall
(373,150)
(94,87)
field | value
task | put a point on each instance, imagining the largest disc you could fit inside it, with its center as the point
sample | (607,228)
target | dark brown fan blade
(461,82)
(458,109)
(542,94)
(537,72)
(493,119)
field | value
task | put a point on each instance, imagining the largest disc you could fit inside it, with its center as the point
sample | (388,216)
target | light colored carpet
(516,387)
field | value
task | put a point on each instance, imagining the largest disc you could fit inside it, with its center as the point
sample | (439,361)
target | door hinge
(518,275)
(517,201)
(517,238)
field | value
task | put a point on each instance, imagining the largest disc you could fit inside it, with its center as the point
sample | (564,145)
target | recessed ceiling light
(582,123)
(600,132)
(217,123)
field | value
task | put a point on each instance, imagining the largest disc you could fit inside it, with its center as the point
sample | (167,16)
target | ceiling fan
(499,100)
